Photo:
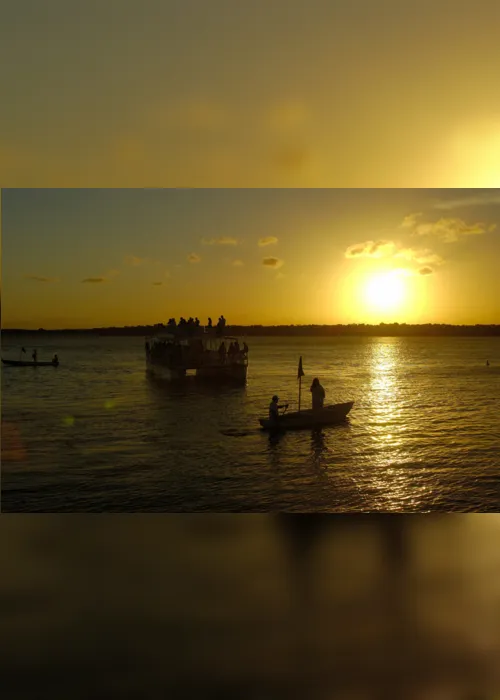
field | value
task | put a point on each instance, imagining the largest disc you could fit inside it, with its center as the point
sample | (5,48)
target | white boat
(171,355)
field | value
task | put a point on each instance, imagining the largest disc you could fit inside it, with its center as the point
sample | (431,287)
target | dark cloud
(93,280)
(425,271)
(371,249)
(490,197)
(39,278)
(451,230)
(193,258)
(267,240)
(272,262)
(222,240)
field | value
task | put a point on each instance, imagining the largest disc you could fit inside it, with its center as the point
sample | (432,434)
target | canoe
(329,415)
(25,363)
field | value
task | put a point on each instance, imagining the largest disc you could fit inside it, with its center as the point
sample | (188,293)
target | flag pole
(300,374)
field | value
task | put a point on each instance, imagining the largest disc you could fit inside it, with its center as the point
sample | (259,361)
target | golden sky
(281,93)
(98,257)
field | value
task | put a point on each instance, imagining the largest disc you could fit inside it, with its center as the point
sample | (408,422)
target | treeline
(363,329)
(352,329)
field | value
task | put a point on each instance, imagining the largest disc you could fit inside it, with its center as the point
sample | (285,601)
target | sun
(385,291)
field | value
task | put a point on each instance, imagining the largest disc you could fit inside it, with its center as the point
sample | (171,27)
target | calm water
(98,434)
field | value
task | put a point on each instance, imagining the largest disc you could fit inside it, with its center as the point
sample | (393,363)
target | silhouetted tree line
(352,329)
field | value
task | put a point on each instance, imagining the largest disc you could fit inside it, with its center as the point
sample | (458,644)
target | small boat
(25,363)
(310,418)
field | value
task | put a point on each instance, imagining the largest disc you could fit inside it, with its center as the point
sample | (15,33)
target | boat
(310,418)
(172,354)
(25,363)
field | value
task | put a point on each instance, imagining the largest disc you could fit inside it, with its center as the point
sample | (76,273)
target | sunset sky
(84,258)
(223,93)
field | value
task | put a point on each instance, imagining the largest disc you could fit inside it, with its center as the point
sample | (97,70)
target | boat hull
(309,419)
(24,363)
(236,373)
(163,372)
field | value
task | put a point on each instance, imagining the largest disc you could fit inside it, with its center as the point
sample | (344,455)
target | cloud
(410,220)
(222,240)
(391,249)
(237,263)
(39,278)
(157,284)
(267,240)
(134,261)
(280,276)
(451,230)
(421,256)
(425,271)
(93,280)
(273,262)
(371,249)
(193,258)
(476,200)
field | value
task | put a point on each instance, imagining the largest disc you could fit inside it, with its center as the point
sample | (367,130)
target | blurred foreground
(250,606)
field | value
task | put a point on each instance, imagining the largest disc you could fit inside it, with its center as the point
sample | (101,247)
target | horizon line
(256,325)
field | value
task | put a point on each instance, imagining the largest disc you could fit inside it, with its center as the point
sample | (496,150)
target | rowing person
(274,414)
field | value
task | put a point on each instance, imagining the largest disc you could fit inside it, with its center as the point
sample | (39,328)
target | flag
(300,373)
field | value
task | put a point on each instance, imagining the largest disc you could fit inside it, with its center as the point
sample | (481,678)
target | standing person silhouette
(318,394)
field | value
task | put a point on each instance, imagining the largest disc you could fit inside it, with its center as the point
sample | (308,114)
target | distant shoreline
(364,330)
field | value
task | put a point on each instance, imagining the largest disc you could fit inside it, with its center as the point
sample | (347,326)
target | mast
(300,374)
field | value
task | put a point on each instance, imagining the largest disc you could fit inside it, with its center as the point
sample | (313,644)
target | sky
(281,93)
(79,258)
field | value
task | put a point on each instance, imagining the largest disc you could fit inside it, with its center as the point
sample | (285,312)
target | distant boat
(25,363)
(310,418)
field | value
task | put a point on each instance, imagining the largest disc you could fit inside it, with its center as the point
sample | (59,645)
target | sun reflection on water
(384,388)
(390,478)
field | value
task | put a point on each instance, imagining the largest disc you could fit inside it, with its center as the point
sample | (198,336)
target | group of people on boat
(233,353)
(189,326)
(192,325)
(318,395)
(172,351)
(195,354)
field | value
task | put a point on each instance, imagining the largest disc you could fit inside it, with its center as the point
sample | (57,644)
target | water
(97,434)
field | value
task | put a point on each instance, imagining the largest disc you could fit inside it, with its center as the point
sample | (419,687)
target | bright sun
(385,291)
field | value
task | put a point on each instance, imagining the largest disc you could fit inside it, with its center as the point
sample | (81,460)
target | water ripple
(98,434)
